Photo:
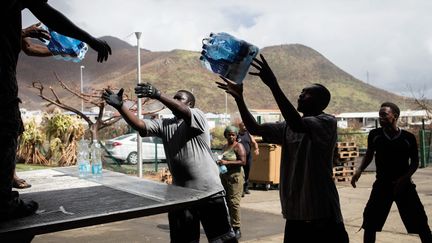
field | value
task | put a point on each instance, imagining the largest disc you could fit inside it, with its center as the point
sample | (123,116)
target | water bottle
(96,159)
(220,67)
(223,46)
(222,168)
(83,159)
(234,55)
(65,48)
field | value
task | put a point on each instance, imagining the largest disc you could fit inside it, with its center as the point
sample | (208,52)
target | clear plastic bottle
(222,168)
(96,159)
(83,159)
(222,49)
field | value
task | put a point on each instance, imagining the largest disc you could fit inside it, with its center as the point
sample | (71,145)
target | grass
(26,167)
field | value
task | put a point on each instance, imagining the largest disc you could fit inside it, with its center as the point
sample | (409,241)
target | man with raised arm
(186,139)
(309,199)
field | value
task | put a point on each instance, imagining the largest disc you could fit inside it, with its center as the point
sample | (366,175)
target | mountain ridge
(295,66)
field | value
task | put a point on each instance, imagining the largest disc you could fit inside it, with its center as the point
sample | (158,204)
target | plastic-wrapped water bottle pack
(66,48)
(227,56)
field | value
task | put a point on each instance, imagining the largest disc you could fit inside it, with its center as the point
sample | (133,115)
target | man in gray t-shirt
(186,140)
(309,199)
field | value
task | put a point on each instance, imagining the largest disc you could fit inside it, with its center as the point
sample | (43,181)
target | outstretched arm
(116,101)
(60,23)
(178,107)
(236,90)
(289,112)
(32,49)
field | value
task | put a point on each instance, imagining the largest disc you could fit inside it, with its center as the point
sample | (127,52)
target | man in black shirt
(396,159)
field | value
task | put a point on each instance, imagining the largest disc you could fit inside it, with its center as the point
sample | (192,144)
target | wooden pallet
(342,179)
(346,144)
(348,154)
(348,163)
(346,149)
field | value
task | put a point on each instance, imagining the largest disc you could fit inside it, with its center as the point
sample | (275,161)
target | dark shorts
(408,202)
(213,215)
(315,231)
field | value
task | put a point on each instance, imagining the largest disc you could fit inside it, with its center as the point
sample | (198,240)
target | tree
(93,98)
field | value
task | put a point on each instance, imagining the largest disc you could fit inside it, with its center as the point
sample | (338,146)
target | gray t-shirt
(307,190)
(187,149)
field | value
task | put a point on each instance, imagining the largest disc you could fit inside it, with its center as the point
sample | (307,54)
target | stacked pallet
(345,161)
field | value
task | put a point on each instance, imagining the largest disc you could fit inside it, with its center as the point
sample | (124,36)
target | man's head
(242,127)
(314,98)
(388,114)
(185,97)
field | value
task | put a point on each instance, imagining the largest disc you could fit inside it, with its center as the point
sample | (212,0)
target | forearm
(181,109)
(252,126)
(367,159)
(133,120)
(289,112)
(58,22)
(32,49)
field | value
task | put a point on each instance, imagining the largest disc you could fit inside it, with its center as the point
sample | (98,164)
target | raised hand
(232,88)
(147,90)
(115,100)
(102,48)
(264,71)
(34,31)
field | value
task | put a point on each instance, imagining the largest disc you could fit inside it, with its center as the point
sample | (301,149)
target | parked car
(125,148)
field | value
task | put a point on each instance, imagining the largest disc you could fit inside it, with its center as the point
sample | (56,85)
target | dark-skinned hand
(101,47)
(115,100)
(147,90)
(264,71)
(232,88)
(34,31)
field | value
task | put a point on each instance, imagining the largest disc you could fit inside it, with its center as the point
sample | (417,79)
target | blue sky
(385,43)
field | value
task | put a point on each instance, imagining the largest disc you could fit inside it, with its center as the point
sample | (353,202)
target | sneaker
(17,208)
(246,191)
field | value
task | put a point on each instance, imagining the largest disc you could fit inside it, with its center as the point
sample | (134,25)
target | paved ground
(261,219)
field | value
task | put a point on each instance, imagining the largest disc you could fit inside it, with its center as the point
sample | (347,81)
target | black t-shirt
(246,140)
(392,155)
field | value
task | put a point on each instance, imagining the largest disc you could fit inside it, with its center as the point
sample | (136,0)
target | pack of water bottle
(83,158)
(227,56)
(64,47)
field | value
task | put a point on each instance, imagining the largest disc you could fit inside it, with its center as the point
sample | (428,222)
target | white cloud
(392,40)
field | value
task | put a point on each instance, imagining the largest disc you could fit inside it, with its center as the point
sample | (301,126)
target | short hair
(323,94)
(228,129)
(191,97)
(395,109)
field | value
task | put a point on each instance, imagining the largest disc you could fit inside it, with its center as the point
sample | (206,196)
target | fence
(425,137)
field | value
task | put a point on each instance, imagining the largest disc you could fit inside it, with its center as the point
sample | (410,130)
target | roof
(409,113)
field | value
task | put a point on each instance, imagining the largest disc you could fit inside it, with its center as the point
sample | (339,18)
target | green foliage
(218,139)
(353,135)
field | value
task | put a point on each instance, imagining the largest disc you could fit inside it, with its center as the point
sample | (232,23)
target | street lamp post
(139,108)
(81,77)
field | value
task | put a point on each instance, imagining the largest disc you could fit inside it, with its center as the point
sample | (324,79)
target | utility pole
(139,108)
